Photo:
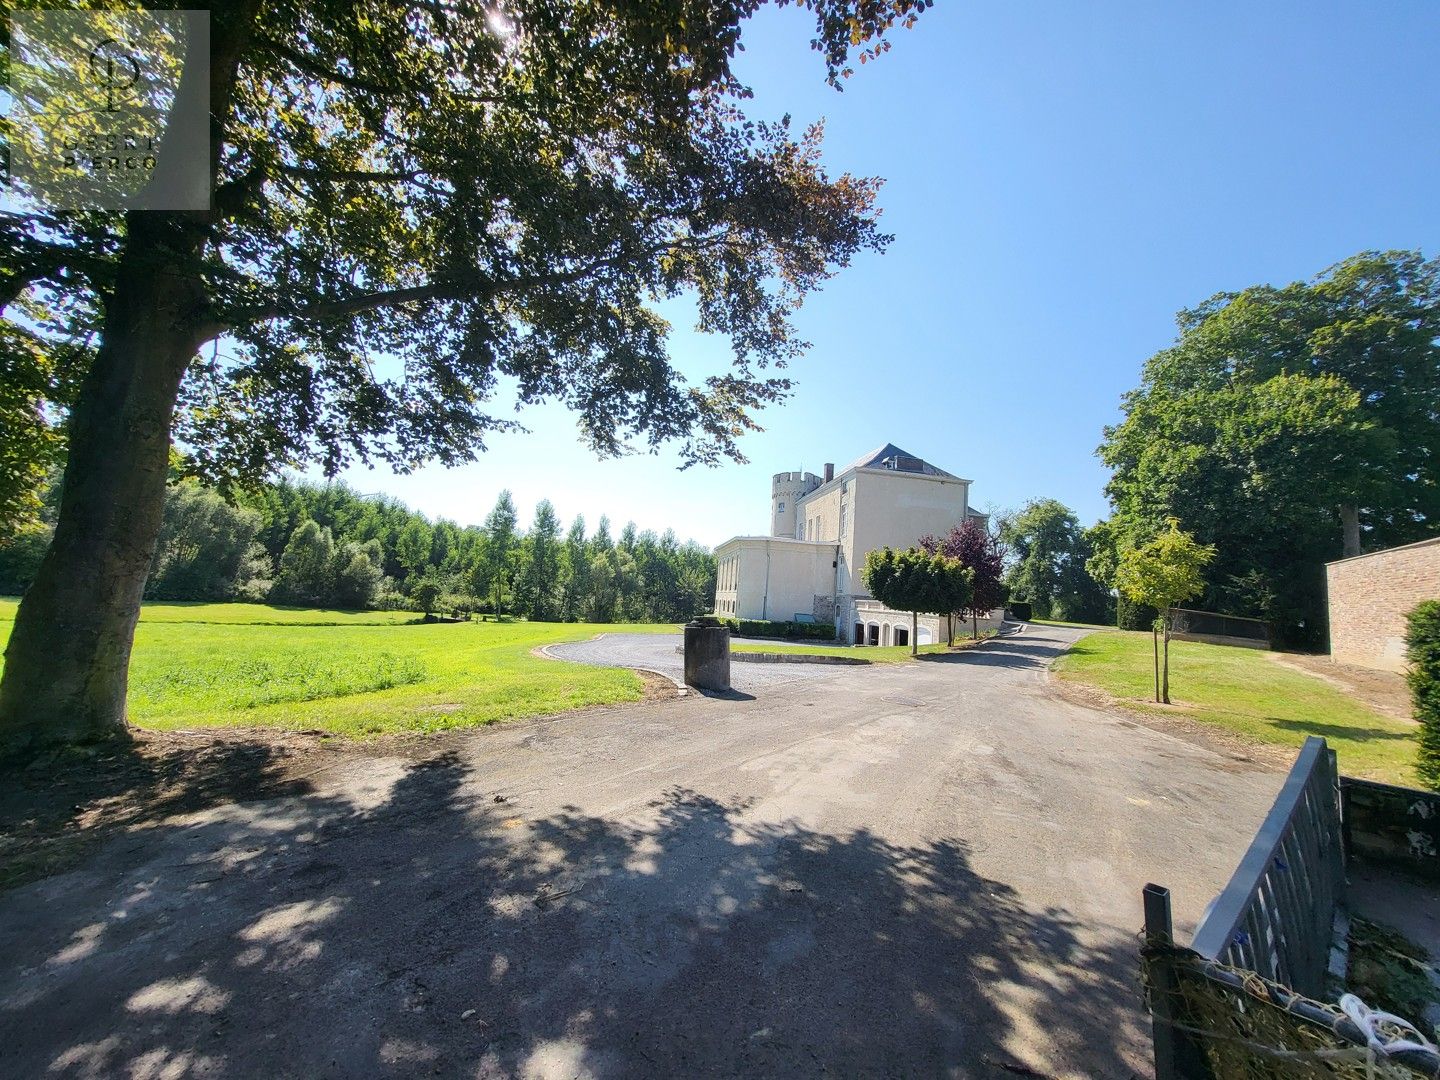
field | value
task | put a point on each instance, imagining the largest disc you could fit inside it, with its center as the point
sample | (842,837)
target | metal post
(1177,1055)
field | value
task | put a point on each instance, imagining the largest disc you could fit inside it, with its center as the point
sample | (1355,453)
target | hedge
(1422,641)
(1132,616)
(763,628)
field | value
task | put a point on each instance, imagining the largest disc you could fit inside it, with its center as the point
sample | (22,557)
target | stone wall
(1369,597)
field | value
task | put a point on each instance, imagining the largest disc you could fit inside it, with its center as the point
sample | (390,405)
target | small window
(780,506)
(802,530)
(842,522)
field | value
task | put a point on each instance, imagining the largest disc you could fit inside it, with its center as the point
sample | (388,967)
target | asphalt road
(656,652)
(929,869)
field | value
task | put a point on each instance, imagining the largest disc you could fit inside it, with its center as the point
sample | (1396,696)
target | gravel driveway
(929,869)
(656,652)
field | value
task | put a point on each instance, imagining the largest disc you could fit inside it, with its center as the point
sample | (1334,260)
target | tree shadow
(62,804)
(1007,653)
(1342,731)
(427,925)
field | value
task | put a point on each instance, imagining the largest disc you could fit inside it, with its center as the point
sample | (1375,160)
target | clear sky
(1061,179)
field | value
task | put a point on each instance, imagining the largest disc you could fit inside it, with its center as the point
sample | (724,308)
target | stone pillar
(707,654)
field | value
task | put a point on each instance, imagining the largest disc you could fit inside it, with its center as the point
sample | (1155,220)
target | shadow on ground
(66,802)
(435,929)
(1004,652)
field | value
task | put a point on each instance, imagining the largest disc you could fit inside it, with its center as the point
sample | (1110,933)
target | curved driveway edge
(544,650)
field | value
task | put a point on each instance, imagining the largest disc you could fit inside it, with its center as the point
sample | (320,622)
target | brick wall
(1369,598)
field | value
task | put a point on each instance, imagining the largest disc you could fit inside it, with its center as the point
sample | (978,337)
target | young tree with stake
(1162,573)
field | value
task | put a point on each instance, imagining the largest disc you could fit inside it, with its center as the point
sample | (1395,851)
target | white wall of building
(771,577)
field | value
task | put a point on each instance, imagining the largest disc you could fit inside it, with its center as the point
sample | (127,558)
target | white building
(821,529)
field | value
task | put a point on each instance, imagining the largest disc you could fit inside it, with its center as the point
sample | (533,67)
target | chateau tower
(786,490)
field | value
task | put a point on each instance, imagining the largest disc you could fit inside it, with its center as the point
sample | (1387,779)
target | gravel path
(656,652)
(927,870)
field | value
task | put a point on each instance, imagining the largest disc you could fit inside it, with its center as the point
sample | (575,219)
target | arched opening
(902,636)
(859,633)
(872,636)
(923,637)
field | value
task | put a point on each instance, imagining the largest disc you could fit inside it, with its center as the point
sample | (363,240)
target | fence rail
(1214,624)
(1275,915)
(1274,918)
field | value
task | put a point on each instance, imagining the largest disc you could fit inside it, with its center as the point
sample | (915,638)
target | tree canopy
(976,547)
(415,208)
(916,580)
(1048,551)
(1289,426)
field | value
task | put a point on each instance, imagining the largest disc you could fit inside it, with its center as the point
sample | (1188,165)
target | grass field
(1244,691)
(353,673)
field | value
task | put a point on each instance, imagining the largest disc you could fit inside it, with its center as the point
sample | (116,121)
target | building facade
(821,529)
(1369,597)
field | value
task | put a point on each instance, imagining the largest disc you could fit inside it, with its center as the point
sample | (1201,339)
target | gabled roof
(882,458)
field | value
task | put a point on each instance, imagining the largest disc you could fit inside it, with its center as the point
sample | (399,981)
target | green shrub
(1132,616)
(1422,641)
(764,628)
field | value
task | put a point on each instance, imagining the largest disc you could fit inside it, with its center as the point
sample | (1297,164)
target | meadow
(1244,691)
(352,673)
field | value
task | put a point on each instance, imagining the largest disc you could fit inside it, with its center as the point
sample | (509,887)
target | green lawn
(871,654)
(1076,625)
(1246,692)
(354,673)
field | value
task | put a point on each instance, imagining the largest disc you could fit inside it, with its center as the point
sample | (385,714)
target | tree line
(326,545)
(1286,427)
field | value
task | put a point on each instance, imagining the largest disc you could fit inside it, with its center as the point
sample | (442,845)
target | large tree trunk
(67,662)
(1350,525)
(914,633)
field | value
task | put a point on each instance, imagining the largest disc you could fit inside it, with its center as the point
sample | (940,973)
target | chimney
(829,471)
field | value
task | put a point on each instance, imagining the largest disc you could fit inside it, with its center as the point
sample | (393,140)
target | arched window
(902,636)
(872,636)
(859,633)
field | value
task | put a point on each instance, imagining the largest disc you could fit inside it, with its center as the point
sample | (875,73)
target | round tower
(787,489)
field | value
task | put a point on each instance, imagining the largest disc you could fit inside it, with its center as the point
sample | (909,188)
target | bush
(1020,609)
(1132,616)
(763,628)
(1422,641)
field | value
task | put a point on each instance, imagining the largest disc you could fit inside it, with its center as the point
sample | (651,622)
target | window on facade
(802,531)
(780,506)
(842,521)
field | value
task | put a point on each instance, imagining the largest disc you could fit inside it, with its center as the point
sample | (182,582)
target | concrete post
(707,654)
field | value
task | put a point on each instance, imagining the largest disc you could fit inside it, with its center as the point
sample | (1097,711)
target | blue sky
(1061,179)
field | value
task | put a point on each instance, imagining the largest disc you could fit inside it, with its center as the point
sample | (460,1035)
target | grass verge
(352,673)
(1075,625)
(870,654)
(1245,692)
